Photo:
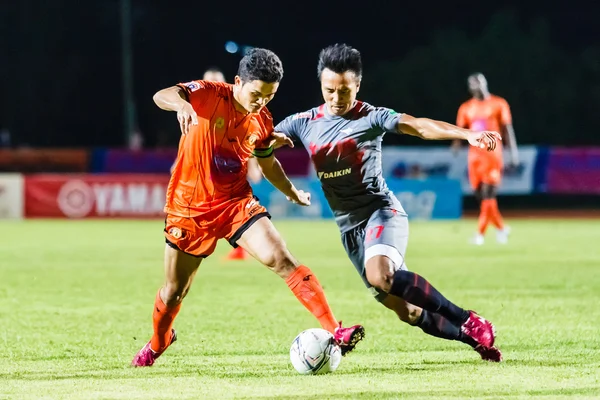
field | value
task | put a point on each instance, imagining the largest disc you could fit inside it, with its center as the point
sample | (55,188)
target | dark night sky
(175,41)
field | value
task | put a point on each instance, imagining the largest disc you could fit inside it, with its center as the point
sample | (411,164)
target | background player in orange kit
(213,74)
(209,197)
(485,111)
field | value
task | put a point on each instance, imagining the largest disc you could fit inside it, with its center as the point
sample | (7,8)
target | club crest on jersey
(252,138)
(193,86)
(220,123)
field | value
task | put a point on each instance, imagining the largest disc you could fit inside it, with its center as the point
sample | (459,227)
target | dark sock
(417,290)
(435,325)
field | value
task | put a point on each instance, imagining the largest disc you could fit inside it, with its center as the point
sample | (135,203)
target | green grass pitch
(76,303)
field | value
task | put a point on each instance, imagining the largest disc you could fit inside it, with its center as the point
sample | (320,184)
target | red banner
(95,196)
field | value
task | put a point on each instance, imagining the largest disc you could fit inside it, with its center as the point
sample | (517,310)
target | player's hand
(187,117)
(300,197)
(279,139)
(484,140)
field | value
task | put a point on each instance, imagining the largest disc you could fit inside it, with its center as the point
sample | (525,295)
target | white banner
(11,196)
(440,162)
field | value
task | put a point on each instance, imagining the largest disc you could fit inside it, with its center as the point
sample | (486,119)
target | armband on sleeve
(263,153)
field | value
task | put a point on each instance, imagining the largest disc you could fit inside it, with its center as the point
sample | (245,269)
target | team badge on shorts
(175,232)
(220,123)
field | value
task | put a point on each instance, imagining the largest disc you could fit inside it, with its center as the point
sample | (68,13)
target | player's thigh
(475,173)
(180,267)
(261,239)
(191,235)
(354,244)
(492,171)
(386,240)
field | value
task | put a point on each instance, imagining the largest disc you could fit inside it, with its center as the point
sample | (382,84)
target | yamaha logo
(76,199)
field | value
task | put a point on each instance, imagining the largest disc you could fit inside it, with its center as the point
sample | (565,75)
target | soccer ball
(314,351)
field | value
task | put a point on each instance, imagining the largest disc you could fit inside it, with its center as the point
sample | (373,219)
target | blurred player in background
(485,111)
(343,137)
(209,197)
(214,74)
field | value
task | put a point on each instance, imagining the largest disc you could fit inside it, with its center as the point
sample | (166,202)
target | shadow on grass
(220,369)
(223,368)
(442,394)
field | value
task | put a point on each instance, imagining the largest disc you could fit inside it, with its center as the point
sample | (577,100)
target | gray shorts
(385,233)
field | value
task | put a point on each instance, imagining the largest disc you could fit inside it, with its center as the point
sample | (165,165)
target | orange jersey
(211,163)
(490,114)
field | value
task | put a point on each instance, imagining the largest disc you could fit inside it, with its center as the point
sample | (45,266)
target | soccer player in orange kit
(209,197)
(214,74)
(485,111)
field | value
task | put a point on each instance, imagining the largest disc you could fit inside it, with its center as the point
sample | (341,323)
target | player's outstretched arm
(171,99)
(512,143)
(174,99)
(430,129)
(272,170)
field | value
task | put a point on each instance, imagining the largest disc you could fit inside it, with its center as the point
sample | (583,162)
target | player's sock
(485,215)
(163,317)
(237,253)
(417,290)
(495,215)
(307,289)
(435,325)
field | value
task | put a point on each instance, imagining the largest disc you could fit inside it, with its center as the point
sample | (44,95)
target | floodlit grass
(77,300)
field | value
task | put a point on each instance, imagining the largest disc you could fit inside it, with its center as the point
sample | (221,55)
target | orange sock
(485,215)
(307,289)
(495,215)
(237,253)
(163,317)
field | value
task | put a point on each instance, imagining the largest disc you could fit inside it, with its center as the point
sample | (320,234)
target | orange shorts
(485,169)
(198,235)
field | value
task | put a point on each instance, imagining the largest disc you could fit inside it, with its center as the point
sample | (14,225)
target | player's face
(213,76)
(339,91)
(477,85)
(254,95)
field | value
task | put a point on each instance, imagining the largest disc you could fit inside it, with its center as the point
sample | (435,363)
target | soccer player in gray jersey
(343,137)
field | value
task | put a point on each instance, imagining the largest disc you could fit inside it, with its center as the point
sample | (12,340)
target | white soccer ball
(314,351)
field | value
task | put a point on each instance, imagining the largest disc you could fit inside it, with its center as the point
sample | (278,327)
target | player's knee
(379,273)
(280,261)
(381,281)
(488,191)
(173,293)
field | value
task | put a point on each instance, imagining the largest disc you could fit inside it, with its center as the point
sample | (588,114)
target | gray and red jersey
(346,154)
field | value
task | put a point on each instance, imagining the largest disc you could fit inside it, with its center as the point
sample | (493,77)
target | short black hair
(260,65)
(340,58)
